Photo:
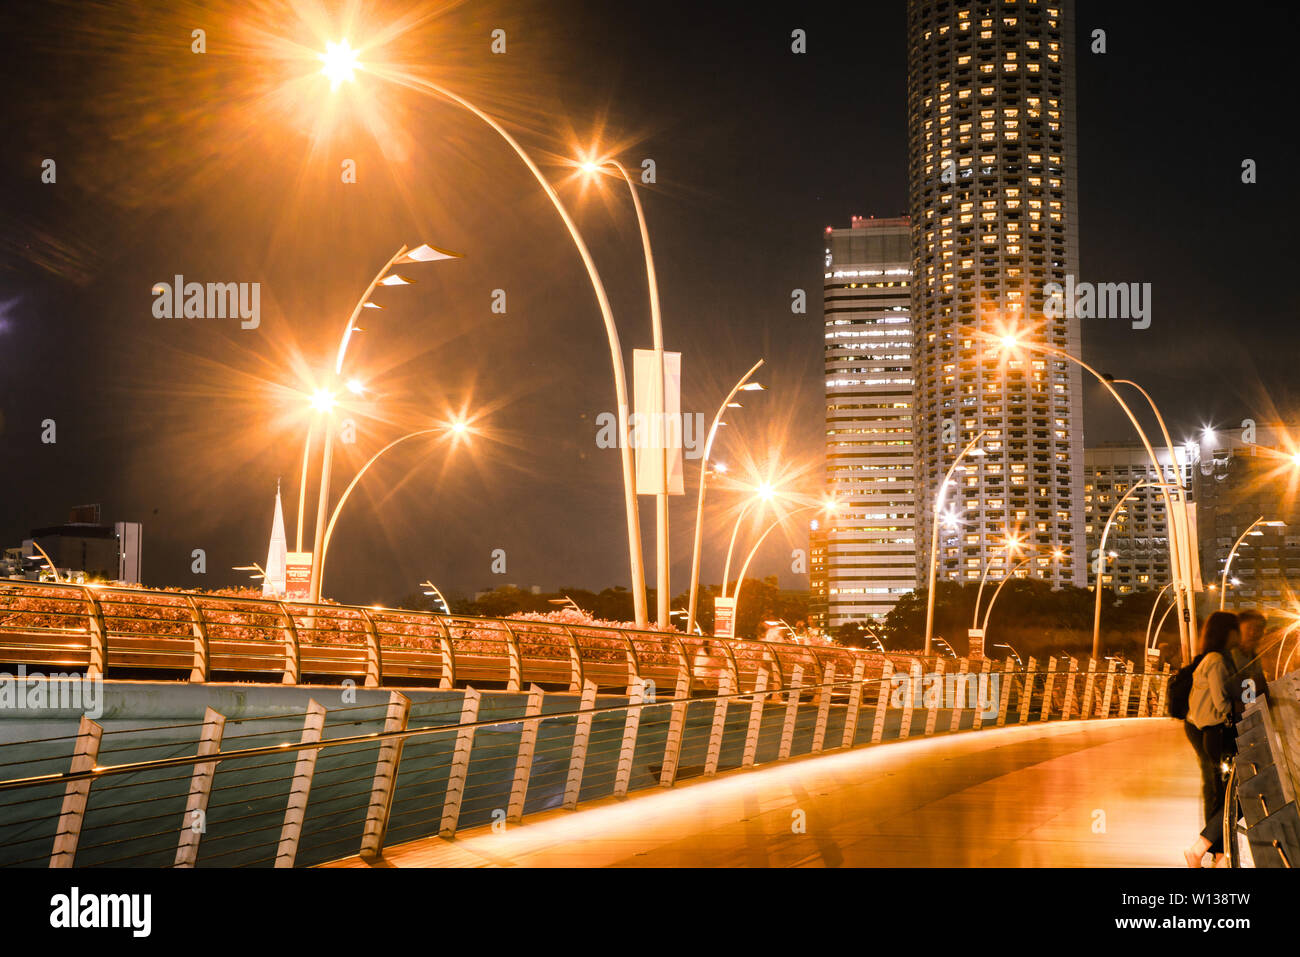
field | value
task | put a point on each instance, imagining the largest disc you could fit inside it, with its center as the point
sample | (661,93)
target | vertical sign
(976,636)
(653,437)
(297,576)
(724,623)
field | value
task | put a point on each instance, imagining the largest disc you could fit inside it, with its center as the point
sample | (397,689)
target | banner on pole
(297,576)
(657,439)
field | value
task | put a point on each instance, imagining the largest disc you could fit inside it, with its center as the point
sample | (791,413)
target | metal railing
(321,784)
(112,631)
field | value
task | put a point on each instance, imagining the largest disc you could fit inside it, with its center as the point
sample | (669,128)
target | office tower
(869,551)
(1139,534)
(992,201)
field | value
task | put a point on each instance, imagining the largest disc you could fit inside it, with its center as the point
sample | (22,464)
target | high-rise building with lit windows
(867,549)
(992,186)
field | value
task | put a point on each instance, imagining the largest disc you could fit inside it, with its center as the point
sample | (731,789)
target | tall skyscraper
(992,190)
(866,552)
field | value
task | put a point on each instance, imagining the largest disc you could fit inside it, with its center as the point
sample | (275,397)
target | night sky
(225,166)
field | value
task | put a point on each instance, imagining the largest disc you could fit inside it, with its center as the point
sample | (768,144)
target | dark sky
(225,167)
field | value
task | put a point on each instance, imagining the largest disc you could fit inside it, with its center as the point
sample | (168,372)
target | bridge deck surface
(1095,794)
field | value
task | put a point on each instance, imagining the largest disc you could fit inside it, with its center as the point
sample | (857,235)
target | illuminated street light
(318,563)
(433,591)
(1250,530)
(602,300)
(663,591)
(829,507)
(1101,561)
(567,601)
(934,533)
(261,572)
(1152,617)
(1013,343)
(340,62)
(323,401)
(1013,545)
(743,385)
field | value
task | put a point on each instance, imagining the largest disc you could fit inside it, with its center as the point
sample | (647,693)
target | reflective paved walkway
(1107,793)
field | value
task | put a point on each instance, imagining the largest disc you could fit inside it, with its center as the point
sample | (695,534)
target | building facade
(1241,475)
(992,199)
(868,549)
(1138,541)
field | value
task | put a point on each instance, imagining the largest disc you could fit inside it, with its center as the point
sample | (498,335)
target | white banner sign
(654,436)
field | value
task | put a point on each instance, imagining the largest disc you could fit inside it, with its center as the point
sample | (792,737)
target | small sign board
(724,618)
(976,636)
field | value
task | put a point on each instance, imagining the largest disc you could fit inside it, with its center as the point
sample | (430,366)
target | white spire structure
(273,582)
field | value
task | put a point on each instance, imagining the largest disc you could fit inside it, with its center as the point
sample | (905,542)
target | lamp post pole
(1101,564)
(1223,582)
(934,538)
(699,505)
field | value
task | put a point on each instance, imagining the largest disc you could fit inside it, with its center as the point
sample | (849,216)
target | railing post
(300,787)
(524,761)
(823,708)
(909,700)
(75,794)
(1144,701)
(196,807)
(1089,689)
(1162,704)
(516,679)
(201,669)
(577,679)
(725,685)
(1110,689)
(98,635)
(932,709)
(855,703)
(447,679)
(581,737)
(1005,697)
(374,654)
(633,664)
(676,723)
(791,713)
(1027,689)
(1067,705)
(882,703)
(981,694)
(623,776)
(385,780)
(1048,688)
(292,648)
(455,793)
(755,719)
(960,687)
(1126,691)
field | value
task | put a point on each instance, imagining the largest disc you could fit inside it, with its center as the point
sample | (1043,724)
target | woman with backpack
(1209,728)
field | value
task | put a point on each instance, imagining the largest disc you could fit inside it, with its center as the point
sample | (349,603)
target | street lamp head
(758,387)
(340,62)
(424,253)
(356,387)
(720,468)
(396,280)
(322,400)
(765,491)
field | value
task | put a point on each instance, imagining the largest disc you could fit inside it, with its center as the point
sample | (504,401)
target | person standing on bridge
(1209,728)
(1247,676)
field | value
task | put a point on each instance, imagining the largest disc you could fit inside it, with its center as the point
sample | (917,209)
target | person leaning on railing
(1209,729)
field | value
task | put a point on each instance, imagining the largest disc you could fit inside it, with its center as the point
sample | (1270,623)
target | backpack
(1180,689)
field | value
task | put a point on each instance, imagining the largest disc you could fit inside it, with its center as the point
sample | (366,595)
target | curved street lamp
(1012,342)
(744,385)
(434,592)
(934,534)
(602,300)
(329,530)
(1152,617)
(1223,583)
(1012,545)
(1101,562)
(988,612)
(1179,530)
(740,579)
(324,400)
